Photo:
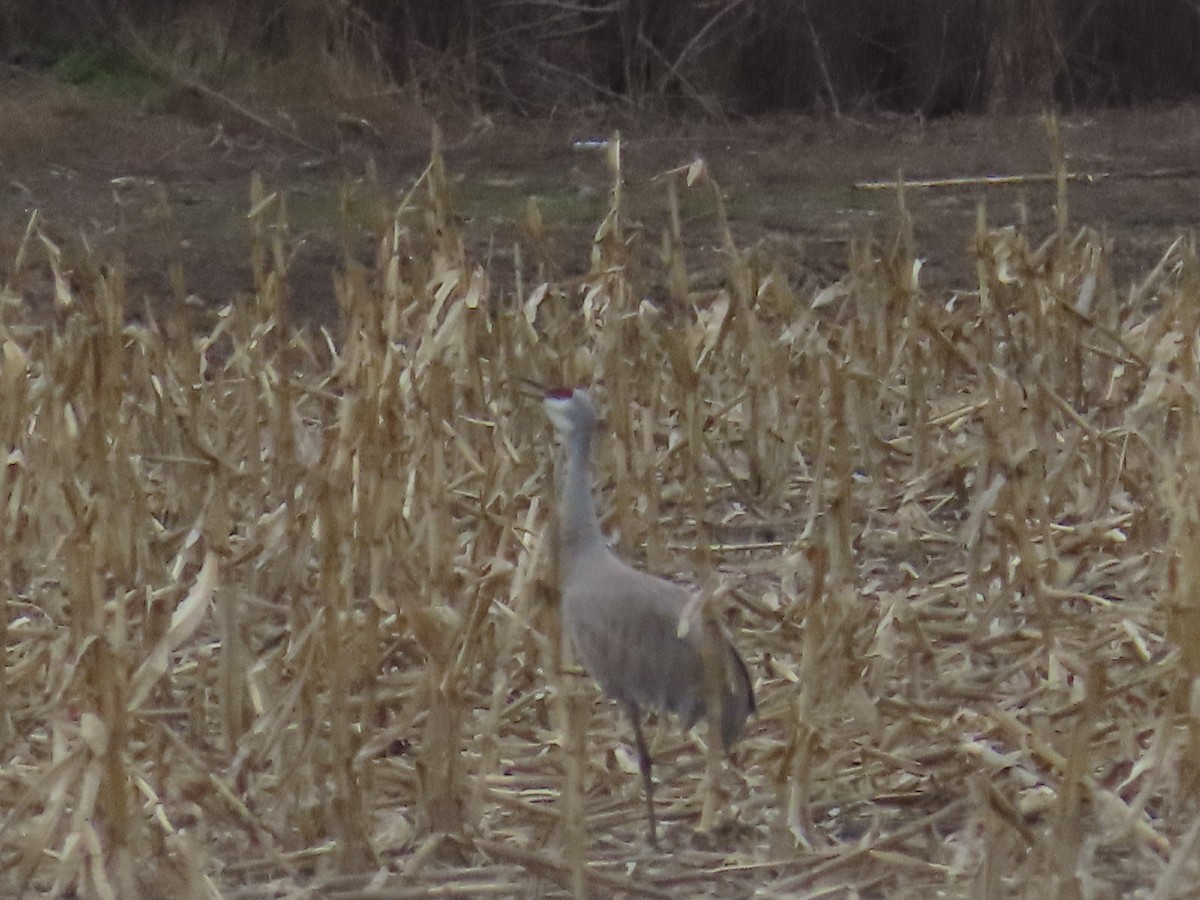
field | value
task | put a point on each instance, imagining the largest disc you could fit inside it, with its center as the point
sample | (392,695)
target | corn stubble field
(280,606)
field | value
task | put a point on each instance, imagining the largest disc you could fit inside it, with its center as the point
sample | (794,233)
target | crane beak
(527,387)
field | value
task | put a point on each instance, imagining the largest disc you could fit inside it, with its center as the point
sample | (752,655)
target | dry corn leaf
(184,621)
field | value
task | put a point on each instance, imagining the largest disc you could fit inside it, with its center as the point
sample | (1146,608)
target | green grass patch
(111,72)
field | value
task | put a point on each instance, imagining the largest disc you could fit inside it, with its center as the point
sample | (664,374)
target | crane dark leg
(644,763)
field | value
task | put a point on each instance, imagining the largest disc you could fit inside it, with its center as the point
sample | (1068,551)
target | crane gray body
(625,625)
(625,628)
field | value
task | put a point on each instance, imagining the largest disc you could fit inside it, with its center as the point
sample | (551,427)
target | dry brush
(279,605)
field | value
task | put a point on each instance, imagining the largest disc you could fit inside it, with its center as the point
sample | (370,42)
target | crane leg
(644,764)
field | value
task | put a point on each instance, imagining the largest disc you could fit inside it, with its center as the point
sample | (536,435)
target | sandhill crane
(625,625)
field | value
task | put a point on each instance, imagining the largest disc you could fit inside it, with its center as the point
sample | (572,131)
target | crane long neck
(579,524)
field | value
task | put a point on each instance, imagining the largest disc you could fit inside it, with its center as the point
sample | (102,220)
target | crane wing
(625,627)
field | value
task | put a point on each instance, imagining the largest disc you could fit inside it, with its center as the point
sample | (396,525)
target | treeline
(721,56)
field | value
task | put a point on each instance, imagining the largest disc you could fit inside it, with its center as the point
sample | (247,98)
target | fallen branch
(961,181)
(172,73)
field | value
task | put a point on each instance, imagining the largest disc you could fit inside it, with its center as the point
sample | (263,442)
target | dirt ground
(172,185)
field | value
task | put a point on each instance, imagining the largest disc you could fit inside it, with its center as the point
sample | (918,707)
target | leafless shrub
(717,57)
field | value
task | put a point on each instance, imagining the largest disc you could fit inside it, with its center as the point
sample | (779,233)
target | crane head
(570,409)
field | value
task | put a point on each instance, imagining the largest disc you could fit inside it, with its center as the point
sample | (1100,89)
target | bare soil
(172,186)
